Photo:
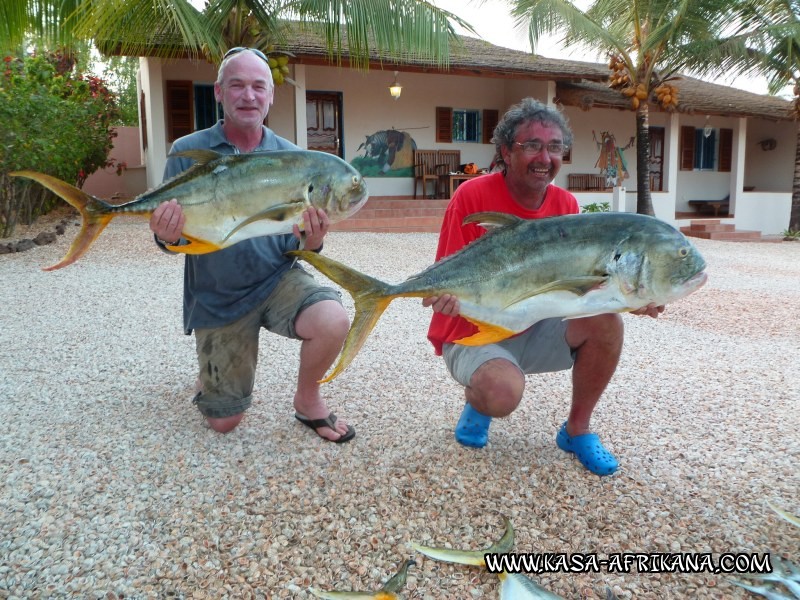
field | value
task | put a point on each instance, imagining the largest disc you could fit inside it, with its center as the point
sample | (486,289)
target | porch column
(153,87)
(672,157)
(737,163)
(300,120)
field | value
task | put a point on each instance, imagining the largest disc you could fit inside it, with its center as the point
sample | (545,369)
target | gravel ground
(114,487)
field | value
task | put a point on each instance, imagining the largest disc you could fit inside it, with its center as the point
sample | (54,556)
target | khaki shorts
(227,355)
(541,349)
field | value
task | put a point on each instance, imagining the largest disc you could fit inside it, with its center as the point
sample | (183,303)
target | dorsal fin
(200,157)
(490,220)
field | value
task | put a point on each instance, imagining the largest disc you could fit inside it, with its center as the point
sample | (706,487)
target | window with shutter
(725,149)
(180,118)
(687,148)
(490,118)
(444,124)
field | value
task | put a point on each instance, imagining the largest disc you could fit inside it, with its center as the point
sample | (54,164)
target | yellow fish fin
(371,297)
(279,212)
(576,285)
(487,334)
(196,246)
(200,157)
(94,212)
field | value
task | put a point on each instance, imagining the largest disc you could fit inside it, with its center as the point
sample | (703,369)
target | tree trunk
(644,203)
(794,216)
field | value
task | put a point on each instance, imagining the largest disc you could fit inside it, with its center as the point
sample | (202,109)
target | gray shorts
(541,349)
(228,355)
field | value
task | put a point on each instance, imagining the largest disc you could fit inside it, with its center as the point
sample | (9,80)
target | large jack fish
(513,586)
(227,198)
(523,271)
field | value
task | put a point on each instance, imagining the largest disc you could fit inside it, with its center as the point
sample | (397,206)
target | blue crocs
(589,450)
(473,428)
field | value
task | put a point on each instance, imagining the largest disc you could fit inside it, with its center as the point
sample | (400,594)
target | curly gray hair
(528,110)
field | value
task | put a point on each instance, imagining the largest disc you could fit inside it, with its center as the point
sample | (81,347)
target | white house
(720,142)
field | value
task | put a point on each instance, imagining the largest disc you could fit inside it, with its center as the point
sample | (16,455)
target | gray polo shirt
(223,286)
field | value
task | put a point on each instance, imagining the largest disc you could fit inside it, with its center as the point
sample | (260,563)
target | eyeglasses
(535,146)
(238,49)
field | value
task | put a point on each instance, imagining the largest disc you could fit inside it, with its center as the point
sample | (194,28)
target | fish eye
(355,179)
(683,252)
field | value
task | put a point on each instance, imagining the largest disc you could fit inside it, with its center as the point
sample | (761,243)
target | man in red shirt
(531,139)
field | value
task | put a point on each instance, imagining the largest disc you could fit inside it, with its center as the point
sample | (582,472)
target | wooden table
(452,180)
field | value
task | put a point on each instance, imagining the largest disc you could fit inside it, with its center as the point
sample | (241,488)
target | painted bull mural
(387,153)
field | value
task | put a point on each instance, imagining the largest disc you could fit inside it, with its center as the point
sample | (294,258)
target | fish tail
(92,222)
(471,557)
(370,295)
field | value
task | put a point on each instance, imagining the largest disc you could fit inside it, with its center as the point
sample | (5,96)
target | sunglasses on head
(239,49)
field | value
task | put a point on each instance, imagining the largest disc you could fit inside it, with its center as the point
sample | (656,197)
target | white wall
(368,107)
(770,171)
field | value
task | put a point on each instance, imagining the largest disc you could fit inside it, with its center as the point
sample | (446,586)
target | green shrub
(596,207)
(55,120)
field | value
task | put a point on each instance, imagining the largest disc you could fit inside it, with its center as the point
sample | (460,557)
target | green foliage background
(55,120)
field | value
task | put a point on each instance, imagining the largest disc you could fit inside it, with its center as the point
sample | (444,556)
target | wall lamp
(395,89)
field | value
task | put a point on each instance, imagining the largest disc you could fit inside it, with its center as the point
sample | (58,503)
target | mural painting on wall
(612,161)
(387,153)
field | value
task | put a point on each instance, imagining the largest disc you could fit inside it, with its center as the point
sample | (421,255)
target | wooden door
(656,159)
(324,122)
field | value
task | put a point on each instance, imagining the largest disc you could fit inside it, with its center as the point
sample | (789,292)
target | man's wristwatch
(165,243)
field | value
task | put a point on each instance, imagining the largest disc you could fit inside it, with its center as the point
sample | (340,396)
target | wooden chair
(425,171)
(448,161)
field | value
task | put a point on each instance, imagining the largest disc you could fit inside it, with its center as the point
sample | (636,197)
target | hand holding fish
(167,221)
(447,304)
(651,310)
(315,225)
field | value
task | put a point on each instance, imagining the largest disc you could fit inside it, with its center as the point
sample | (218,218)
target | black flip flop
(330,422)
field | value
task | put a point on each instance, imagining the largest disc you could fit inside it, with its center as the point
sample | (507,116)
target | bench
(709,206)
(587,182)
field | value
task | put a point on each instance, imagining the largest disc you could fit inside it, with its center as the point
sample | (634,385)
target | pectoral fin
(279,212)
(196,246)
(487,333)
(576,285)
(491,220)
(200,157)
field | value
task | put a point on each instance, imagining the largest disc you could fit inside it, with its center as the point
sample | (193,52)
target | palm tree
(649,43)
(393,29)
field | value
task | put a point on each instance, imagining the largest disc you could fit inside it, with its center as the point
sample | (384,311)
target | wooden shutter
(490,118)
(687,148)
(180,116)
(143,119)
(725,149)
(444,124)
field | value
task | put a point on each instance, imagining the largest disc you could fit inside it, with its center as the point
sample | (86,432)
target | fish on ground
(784,572)
(513,586)
(523,271)
(226,198)
(389,591)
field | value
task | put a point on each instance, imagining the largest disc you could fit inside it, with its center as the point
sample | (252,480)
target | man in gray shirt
(229,295)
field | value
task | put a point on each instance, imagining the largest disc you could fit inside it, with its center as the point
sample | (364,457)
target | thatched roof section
(580,84)
(696,97)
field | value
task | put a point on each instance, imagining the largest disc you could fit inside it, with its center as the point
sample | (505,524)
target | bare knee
(496,388)
(326,319)
(224,424)
(606,329)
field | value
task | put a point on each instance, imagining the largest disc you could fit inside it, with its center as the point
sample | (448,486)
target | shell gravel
(115,488)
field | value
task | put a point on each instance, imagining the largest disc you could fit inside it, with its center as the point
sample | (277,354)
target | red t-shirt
(482,194)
